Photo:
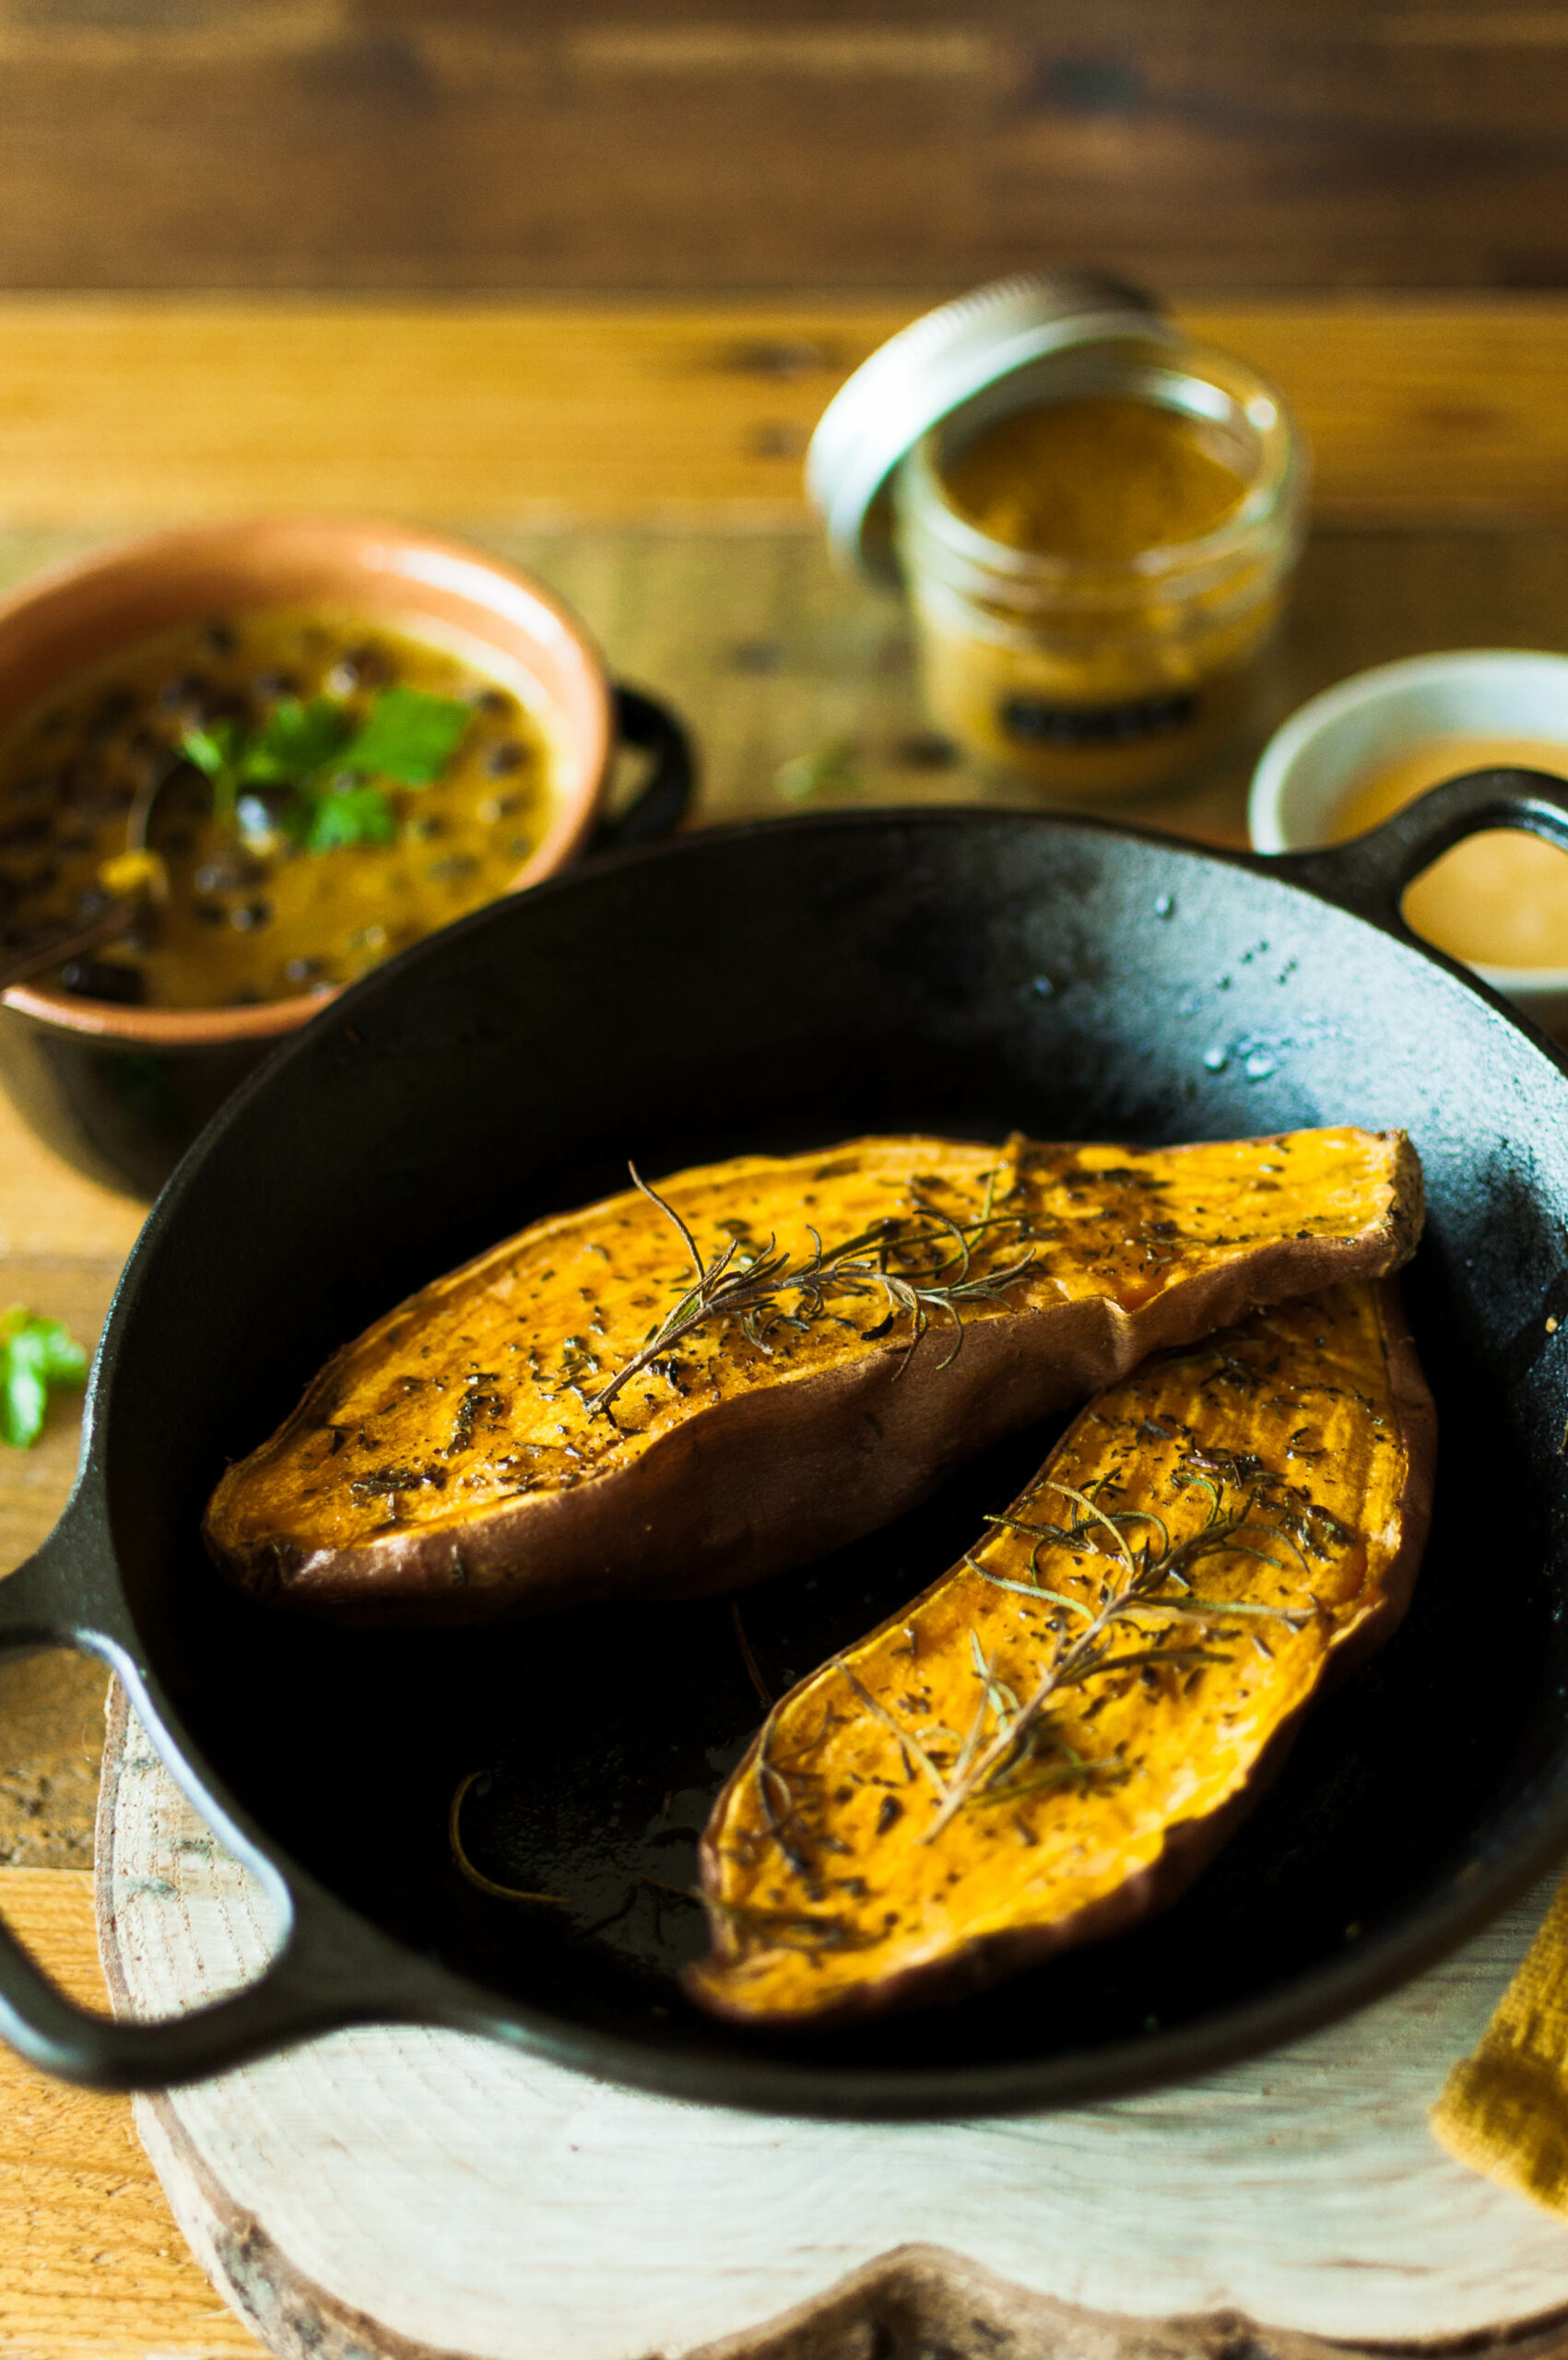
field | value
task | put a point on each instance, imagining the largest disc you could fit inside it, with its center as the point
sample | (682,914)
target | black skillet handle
(662,800)
(1369,874)
(333,1971)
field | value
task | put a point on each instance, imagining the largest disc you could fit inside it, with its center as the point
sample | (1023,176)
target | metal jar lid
(926,372)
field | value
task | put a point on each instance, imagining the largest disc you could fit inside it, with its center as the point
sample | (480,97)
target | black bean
(229,871)
(188,690)
(926,749)
(455,865)
(756,656)
(221,638)
(105,979)
(21,836)
(363,667)
(273,685)
(210,912)
(42,880)
(224,704)
(507,756)
(39,788)
(245,916)
(84,788)
(495,702)
(110,715)
(301,970)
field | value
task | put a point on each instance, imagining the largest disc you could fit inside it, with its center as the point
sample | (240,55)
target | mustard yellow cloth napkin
(1504,2109)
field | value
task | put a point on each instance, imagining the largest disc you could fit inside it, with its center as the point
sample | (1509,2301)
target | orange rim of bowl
(194,1028)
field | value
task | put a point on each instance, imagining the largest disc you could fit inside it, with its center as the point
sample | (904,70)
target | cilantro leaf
(322,755)
(408,736)
(348,815)
(211,749)
(34,1354)
(295,740)
(217,750)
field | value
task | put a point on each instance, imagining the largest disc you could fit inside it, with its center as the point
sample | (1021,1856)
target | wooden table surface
(647,463)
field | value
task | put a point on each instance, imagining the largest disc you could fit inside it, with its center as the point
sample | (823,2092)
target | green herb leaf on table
(34,1354)
(327,761)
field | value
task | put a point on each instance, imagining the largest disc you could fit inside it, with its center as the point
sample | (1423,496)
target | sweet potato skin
(1386,1444)
(737,1462)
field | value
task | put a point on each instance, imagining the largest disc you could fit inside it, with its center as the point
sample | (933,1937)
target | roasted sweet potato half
(674,1392)
(1052,1741)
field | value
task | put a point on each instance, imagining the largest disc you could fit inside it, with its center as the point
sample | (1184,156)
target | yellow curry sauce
(904,1821)
(252,916)
(483,1388)
(1095,480)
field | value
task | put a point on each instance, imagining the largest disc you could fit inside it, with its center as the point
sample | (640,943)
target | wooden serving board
(398,2192)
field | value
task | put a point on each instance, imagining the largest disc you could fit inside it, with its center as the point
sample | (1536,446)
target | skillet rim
(378,1977)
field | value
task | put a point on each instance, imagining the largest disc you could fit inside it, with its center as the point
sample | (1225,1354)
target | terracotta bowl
(122,1091)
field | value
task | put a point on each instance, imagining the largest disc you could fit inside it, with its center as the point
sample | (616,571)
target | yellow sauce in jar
(1098,479)
(1498,900)
(1093,580)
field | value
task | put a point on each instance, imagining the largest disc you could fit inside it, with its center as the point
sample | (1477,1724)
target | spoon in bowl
(131,877)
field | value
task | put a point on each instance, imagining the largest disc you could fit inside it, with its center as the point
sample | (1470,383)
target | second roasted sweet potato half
(688,1386)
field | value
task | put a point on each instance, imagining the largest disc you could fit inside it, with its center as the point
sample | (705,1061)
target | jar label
(1097,725)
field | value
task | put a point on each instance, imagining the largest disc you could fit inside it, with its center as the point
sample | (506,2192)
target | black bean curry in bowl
(307,792)
(242,764)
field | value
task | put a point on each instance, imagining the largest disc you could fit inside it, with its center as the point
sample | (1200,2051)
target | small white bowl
(1336,739)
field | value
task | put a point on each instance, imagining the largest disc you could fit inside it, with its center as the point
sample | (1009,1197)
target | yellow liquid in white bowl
(1499,900)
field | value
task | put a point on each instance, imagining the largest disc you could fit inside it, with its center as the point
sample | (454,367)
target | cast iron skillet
(773,987)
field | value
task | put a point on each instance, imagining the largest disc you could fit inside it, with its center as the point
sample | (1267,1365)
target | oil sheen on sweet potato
(961,1795)
(452,1465)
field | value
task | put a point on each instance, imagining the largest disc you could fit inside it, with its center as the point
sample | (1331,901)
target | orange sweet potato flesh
(906,1828)
(450,1464)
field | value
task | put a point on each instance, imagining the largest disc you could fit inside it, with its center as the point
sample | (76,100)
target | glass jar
(1103,677)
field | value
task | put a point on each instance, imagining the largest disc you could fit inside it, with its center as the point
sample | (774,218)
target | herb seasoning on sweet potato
(1053,1740)
(679,1390)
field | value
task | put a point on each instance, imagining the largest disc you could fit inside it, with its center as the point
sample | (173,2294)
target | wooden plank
(90,2260)
(129,413)
(405,2193)
(732,145)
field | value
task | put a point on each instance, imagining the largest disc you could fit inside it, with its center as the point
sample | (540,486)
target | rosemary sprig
(750,1289)
(906,1736)
(464,1866)
(1090,1653)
